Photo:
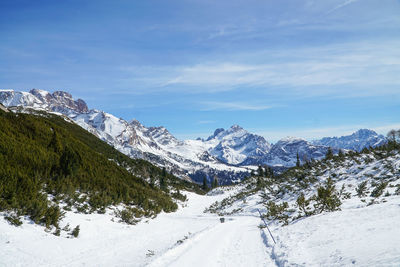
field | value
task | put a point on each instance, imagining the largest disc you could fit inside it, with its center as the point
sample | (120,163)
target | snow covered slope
(351,222)
(155,144)
(228,154)
(364,232)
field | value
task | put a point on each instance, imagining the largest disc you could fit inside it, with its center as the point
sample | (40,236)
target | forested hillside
(48,165)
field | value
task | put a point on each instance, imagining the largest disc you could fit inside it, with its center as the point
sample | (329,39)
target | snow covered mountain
(183,158)
(58,101)
(285,151)
(356,141)
(235,145)
(228,154)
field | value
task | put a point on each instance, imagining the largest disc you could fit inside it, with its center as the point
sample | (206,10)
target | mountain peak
(356,141)
(216,132)
(236,127)
(135,122)
(38,92)
(62,94)
(365,132)
(59,101)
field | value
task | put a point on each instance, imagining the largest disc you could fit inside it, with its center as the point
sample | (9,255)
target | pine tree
(271,172)
(260,171)
(392,135)
(215,182)
(163,177)
(162,183)
(329,153)
(266,172)
(341,153)
(365,150)
(69,161)
(55,142)
(205,187)
(298,160)
(327,198)
(259,182)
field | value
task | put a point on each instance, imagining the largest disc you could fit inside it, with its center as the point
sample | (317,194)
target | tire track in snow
(234,243)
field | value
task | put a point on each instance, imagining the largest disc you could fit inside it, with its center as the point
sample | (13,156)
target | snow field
(368,236)
(102,242)
(358,235)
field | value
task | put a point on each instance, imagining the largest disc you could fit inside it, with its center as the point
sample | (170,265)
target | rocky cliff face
(58,101)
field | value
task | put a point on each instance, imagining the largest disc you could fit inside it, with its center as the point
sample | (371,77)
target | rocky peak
(61,99)
(58,101)
(365,133)
(62,95)
(235,145)
(236,127)
(162,135)
(356,141)
(216,132)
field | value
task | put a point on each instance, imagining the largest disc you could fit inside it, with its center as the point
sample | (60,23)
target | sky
(306,68)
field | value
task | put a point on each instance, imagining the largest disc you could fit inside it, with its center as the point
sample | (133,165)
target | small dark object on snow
(222,220)
(150,253)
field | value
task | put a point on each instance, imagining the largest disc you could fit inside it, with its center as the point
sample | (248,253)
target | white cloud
(364,67)
(345,3)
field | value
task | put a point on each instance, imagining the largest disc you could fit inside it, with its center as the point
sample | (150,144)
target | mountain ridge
(229,154)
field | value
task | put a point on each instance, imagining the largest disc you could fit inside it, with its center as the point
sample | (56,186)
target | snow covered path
(237,242)
(187,237)
(355,236)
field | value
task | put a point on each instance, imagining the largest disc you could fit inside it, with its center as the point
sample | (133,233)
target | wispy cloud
(320,70)
(232,106)
(345,3)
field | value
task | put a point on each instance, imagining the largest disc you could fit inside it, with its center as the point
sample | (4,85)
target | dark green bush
(378,190)
(327,198)
(277,212)
(303,205)
(14,220)
(361,189)
(75,232)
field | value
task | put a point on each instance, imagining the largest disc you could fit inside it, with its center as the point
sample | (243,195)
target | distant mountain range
(228,154)
(356,141)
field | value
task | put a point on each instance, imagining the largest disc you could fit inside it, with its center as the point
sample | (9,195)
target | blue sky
(306,68)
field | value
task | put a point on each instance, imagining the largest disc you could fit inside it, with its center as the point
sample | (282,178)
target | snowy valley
(334,206)
(360,231)
(200,133)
